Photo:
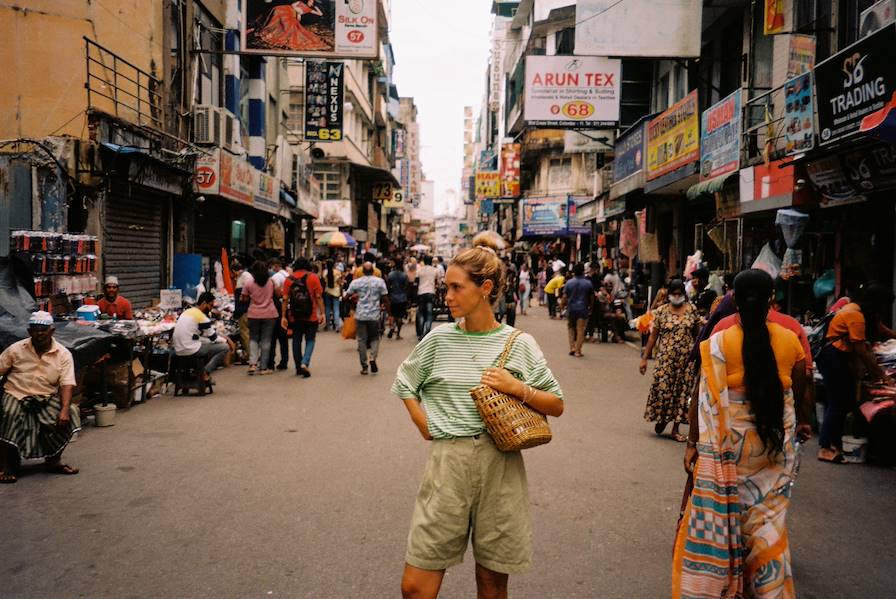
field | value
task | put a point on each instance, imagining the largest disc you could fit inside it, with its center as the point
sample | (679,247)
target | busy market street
(291,487)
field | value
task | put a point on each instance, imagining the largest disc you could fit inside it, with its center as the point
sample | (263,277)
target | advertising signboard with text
(720,138)
(545,216)
(324,91)
(799,116)
(673,138)
(574,92)
(510,170)
(854,83)
(311,28)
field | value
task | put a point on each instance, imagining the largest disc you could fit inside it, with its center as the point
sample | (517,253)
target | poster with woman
(325,28)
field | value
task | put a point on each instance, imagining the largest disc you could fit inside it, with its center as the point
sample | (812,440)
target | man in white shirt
(281,336)
(557,265)
(195,335)
(427,280)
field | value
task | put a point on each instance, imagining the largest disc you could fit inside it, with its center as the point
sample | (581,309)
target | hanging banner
(237,179)
(576,92)
(470,198)
(577,224)
(673,138)
(799,122)
(545,216)
(267,193)
(399,137)
(638,28)
(488,160)
(311,28)
(774,16)
(629,158)
(335,213)
(510,170)
(720,138)
(802,54)
(324,91)
(854,83)
(208,171)
(488,184)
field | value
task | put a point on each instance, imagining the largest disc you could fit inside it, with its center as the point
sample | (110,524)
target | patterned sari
(732,542)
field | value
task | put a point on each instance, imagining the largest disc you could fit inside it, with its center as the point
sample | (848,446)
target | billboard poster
(311,28)
(673,138)
(267,193)
(470,198)
(545,216)
(399,142)
(720,137)
(576,225)
(828,178)
(324,90)
(597,141)
(799,121)
(629,153)
(237,179)
(639,28)
(774,16)
(880,14)
(208,172)
(488,160)
(855,83)
(510,170)
(335,213)
(576,92)
(802,54)
(488,184)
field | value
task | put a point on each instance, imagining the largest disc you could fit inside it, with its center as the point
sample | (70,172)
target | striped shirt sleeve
(534,366)
(415,370)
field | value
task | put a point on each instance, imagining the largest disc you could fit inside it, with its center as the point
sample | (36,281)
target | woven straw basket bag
(512,424)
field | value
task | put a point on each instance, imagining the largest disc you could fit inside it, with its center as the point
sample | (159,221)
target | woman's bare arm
(418,417)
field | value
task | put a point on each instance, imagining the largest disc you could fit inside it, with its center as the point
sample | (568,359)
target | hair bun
(489,240)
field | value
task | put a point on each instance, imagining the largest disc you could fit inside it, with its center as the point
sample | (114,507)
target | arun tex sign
(854,83)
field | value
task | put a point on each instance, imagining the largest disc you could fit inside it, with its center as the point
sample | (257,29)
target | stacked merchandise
(881,398)
(62,263)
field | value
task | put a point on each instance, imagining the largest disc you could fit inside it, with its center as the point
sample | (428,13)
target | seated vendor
(195,335)
(36,417)
(113,304)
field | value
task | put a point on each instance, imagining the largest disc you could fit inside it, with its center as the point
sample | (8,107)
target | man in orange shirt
(302,310)
(113,304)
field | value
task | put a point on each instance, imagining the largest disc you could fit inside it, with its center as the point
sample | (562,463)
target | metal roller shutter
(135,243)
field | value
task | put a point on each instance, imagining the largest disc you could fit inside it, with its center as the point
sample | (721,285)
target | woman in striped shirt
(469,486)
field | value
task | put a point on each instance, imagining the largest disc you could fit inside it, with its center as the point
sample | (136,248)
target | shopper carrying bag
(469,486)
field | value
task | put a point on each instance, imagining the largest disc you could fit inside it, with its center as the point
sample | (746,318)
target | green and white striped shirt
(449,362)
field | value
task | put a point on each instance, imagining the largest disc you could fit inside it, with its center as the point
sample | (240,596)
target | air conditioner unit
(207,125)
(231,138)
(877,16)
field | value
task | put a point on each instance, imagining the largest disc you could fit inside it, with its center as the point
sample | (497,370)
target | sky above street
(441,54)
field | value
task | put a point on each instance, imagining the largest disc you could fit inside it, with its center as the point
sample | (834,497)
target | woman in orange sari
(283,28)
(732,542)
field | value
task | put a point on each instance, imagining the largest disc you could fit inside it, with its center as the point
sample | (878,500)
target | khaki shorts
(469,486)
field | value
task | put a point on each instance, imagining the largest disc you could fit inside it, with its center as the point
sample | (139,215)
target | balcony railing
(763,129)
(120,88)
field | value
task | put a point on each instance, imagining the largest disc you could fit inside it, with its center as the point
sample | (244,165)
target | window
(295,119)
(566,41)
(852,29)
(681,82)
(238,241)
(814,18)
(330,178)
(662,93)
(559,173)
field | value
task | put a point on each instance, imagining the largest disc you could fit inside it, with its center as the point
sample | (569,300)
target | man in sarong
(37,419)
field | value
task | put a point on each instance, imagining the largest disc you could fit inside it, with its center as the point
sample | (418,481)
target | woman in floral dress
(675,327)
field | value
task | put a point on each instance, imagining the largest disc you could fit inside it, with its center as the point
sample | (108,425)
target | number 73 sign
(390,196)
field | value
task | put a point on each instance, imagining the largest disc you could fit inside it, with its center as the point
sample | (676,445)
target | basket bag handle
(502,359)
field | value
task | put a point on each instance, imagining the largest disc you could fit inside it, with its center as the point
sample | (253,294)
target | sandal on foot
(829,455)
(62,469)
(678,437)
(7,479)
(660,427)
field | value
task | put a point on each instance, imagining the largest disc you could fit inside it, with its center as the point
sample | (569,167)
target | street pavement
(283,487)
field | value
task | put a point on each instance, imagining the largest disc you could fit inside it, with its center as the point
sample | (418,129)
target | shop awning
(287,199)
(710,186)
(374,172)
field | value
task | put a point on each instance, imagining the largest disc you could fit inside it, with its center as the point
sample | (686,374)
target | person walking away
(241,276)
(303,310)
(525,287)
(511,299)
(411,270)
(542,278)
(675,326)
(359,266)
(470,489)
(281,337)
(743,442)
(333,296)
(398,284)
(552,291)
(37,419)
(427,279)
(369,292)
(262,315)
(580,302)
(848,337)
(194,335)
(113,304)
